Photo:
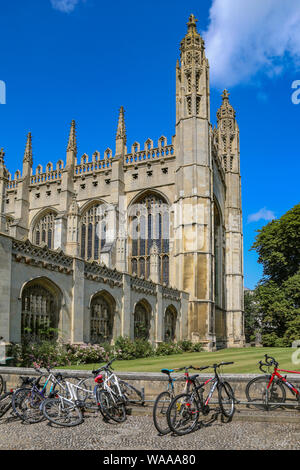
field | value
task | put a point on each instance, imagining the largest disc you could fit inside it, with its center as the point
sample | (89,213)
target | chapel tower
(193,186)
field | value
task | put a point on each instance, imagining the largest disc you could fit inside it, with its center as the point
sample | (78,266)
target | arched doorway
(142,316)
(102,318)
(41,302)
(170,324)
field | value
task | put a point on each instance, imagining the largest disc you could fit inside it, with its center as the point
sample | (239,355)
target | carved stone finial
(28,150)
(72,144)
(225,95)
(121,130)
(192,23)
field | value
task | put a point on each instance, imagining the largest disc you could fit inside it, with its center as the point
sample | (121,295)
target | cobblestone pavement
(138,432)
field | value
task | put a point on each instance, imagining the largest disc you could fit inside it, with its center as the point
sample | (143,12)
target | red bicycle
(269,391)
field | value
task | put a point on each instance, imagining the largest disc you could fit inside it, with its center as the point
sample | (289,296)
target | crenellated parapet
(150,153)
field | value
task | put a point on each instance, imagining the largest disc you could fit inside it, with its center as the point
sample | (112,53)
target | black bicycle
(184,412)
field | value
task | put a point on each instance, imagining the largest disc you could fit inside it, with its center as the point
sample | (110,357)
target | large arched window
(102,319)
(149,225)
(170,324)
(141,321)
(40,312)
(92,232)
(43,231)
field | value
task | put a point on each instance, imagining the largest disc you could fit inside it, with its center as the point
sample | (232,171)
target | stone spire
(72,146)
(28,150)
(121,138)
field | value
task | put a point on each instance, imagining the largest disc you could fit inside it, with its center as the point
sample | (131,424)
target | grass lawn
(245,361)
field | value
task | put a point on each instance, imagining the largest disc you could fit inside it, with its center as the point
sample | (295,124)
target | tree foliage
(278,293)
(278,246)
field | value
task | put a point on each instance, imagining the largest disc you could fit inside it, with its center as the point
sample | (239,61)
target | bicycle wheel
(160,408)
(183,414)
(1,384)
(226,399)
(257,391)
(26,403)
(132,394)
(87,396)
(5,403)
(62,412)
(110,409)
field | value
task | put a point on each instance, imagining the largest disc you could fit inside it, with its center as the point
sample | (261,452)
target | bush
(166,349)
(51,353)
(125,348)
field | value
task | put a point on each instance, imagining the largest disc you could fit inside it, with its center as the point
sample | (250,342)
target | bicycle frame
(275,373)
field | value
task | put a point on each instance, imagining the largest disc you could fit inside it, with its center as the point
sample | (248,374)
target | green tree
(278,293)
(251,316)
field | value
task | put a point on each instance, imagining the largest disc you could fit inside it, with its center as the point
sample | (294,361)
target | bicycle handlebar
(269,361)
(105,367)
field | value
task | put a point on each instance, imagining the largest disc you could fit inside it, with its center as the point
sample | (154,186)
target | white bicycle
(68,411)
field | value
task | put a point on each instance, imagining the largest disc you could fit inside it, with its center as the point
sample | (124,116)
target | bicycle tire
(26,403)
(159,413)
(1,385)
(187,408)
(132,394)
(226,399)
(256,390)
(109,409)
(5,403)
(61,412)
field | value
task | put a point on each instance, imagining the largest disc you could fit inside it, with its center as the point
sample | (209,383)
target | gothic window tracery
(39,313)
(43,232)
(92,232)
(170,325)
(101,321)
(150,226)
(141,322)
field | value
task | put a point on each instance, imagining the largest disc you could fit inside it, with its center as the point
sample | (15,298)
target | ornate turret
(192,88)
(227,135)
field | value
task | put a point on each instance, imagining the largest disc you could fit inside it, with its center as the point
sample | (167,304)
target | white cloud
(66,6)
(262,214)
(245,37)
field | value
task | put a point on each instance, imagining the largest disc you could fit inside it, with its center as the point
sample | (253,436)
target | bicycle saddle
(192,378)
(166,371)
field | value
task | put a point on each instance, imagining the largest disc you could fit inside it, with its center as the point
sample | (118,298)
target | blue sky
(83,59)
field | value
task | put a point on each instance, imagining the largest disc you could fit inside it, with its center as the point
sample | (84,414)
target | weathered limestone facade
(92,247)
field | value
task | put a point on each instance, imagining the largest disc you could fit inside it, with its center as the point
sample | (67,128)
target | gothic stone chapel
(143,241)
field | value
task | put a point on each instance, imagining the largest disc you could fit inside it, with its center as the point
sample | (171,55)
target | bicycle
(6,398)
(269,390)
(132,395)
(26,402)
(66,411)
(164,399)
(106,395)
(185,409)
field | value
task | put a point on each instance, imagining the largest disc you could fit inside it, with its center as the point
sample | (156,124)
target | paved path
(138,432)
